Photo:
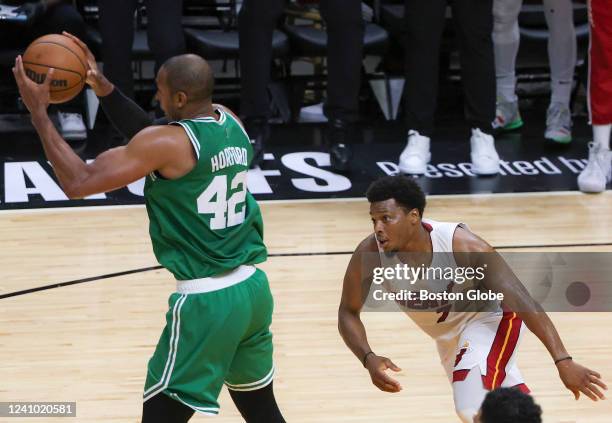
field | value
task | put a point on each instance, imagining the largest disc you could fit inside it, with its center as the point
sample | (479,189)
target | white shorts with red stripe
(489,342)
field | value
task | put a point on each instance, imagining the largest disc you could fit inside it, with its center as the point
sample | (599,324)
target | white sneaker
(416,155)
(485,160)
(313,113)
(598,171)
(507,116)
(558,123)
(72,126)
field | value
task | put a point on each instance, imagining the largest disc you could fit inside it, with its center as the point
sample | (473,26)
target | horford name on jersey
(229,156)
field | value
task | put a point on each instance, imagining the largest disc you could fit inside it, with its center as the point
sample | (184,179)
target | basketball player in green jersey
(206,229)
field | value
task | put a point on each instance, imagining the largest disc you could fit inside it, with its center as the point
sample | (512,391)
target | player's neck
(421,242)
(199,111)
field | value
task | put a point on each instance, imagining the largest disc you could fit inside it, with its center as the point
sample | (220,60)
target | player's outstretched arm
(125,115)
(156,148)
(500,278)
(160,148)
(351,327)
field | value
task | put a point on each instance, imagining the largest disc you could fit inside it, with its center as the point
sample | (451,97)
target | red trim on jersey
(427,226)
(460,375)
(503,347)
(495,351)
(523,388)
(459,356)
(512,343)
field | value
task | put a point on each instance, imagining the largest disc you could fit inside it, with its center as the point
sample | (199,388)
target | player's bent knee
(468,395)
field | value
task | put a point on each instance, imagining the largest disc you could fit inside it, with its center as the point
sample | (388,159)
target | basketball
(62,54)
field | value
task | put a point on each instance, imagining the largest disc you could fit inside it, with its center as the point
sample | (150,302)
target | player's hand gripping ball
(65,57)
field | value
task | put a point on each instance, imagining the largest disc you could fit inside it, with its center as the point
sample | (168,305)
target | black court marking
(77,281)
(330,253)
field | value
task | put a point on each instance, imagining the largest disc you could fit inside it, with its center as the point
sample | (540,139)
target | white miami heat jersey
(434,316)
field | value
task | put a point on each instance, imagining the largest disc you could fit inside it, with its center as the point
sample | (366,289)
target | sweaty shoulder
(368,245)
(465,241)
(167,145)
(160,135)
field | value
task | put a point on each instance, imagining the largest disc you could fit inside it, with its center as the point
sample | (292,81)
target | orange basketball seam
(64,47)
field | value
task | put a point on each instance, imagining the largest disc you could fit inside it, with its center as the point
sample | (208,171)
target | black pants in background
(345,27)
(57,18)
(424,20)
(164,33)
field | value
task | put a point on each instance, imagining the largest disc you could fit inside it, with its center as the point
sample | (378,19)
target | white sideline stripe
(306,201)
(173,351)
(72,209)
(437,196)
(246,385)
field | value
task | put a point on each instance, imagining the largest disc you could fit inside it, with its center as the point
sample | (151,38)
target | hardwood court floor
(90,342)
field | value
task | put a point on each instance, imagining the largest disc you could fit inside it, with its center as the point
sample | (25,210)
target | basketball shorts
(217,332)
(488,342)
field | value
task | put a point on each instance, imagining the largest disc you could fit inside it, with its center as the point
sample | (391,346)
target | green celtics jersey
(206,222)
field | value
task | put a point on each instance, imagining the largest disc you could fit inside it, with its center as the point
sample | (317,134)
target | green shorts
(212,338)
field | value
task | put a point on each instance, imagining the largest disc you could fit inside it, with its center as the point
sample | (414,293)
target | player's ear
(414,214)
(180,99)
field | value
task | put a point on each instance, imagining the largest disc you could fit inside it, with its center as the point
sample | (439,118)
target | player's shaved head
(190,74)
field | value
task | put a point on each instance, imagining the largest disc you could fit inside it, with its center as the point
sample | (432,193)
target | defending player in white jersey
(477,349)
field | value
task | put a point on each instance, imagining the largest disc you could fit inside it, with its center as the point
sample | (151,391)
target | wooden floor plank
(90,342)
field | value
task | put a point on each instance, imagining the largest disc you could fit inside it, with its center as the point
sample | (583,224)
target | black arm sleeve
(125,115)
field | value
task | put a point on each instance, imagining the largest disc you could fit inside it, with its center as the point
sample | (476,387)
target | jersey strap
(191,136)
